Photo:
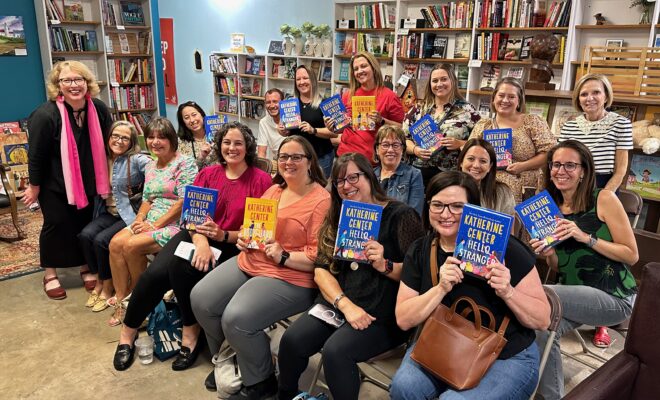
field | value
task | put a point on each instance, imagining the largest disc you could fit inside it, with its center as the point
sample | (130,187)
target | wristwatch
(389,267)
(285,256)
(592,241)
(226,237)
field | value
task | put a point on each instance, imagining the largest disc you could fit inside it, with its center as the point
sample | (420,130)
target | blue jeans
(513,378)
(580,305)
(325,161)
(94,240)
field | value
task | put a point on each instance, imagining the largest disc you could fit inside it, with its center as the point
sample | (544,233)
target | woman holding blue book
(235,178)
(531,136)
(363,294)
(595,286)
(192,135)
(514,290)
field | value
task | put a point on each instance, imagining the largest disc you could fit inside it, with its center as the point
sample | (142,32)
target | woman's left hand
(376,117)
(499,278)
(210,229)
(450,143)
(375,254)
(274,250)
(568,229)
(306,127)
(206,150)
(515,168)
(142,226)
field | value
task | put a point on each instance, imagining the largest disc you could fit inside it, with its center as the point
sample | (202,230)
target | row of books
(71,10)
(254,109)
(225,84)
(422,45)
(131,14)
(228,104)
(374,16)
(132,97)
(128,43)
(422,73)
(522,13)
(139,120)
(222,64)
(132,70)
(449,15)
(67,40)
(250,86)
(255,66)
(284,68)
(501,46)
(380,45)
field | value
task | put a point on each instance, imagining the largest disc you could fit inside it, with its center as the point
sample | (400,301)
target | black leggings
(167,272)
(342,347)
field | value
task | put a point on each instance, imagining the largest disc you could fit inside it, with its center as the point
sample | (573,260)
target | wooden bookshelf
(530,29)
(76,53)
(127,27)
(517,62)
(130,55)
(67,22)
(251,97)
(433,30)
(349,56)
(382,30)
(633,27)
(433,60)
(252,76)
(133,83)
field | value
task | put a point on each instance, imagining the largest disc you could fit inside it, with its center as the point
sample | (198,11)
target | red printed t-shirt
(387,104)
(297,230)
(232,192)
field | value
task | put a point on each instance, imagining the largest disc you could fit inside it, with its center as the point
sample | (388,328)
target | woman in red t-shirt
(366,79)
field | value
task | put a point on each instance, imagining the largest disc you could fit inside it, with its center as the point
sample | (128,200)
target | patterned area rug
(21,257)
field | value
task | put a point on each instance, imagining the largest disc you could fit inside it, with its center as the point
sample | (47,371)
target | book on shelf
(525,49)
(540,214)
(290,68)
(198,206)
(539,108)
(564,112)
(326,73)
(426,134)
(522,14)
(502,141)
(450,15)
(489,76)
(132,13)
(515,72)
(10,127)
(246,86)
(513,48)
(484,108)
(144,42)
(277,65)
(251,108)
(256,87)
(334,108)
(53,11)
(462,72)
(343,70)
(358,223)
(259,222)
(212,123)
(290,113)
(462,45)
(361,106)
(73,10)
(644,176)
(482,239)
(222,64)
(374,16)
(233,105)
(440,47)
(92,41)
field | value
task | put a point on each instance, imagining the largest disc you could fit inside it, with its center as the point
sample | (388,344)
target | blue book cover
(198,206)
(92,42)
(540,214)
(343,70)
(290,113)
(482,238)
(212,123)
(358,223)
(502,141)
(333,107)
(426,134)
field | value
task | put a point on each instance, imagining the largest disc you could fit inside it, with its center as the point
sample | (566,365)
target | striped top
(603,138)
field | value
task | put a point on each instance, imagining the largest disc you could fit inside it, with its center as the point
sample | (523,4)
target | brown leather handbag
(454,349)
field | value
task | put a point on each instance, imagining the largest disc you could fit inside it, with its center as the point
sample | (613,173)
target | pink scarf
(75,190)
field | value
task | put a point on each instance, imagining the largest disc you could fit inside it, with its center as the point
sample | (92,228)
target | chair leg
(315,378)
(364,377)
(544,360)
(585,351)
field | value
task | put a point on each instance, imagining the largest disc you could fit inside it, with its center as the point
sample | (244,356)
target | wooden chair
(265,165)
(9,204)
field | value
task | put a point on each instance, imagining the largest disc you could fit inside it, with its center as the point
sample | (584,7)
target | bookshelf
(117,47)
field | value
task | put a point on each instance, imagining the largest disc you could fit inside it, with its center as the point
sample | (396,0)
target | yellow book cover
(259,222)
(361,106)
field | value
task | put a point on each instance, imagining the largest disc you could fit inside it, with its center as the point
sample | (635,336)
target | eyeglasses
(352,179)
(69,81)
(437,207)
(396,146)
(568,167)
(296,158)
(120,138)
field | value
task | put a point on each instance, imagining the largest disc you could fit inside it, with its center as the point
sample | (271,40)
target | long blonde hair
(53,81)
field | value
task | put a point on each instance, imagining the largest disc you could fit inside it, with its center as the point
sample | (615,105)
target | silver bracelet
(337,299)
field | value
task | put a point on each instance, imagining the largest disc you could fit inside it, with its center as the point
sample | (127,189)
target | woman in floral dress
(455,118)
(157,219)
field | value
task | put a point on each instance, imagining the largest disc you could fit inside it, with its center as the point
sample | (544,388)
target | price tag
(474,63)
(54,21)
(403,80)
(121,27)
(114,84)
(403,31)
(410,23)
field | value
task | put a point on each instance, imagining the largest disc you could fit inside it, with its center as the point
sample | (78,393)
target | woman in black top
(514,290)
(312,126)
(65,178)
(364,294)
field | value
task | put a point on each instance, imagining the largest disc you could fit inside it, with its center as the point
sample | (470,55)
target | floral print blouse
(455,120)
(193,149)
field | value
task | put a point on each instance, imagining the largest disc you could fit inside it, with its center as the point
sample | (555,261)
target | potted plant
(297,39)
(310,43)
(324,45)
(646,10)
(285,31)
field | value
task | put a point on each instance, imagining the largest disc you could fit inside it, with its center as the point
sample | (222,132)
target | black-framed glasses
(352,179)
(568,166)
(396,146)
(120,138)
(296,158)
(71,81)
(438,207)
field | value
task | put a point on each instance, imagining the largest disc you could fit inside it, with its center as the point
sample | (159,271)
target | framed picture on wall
(12,36)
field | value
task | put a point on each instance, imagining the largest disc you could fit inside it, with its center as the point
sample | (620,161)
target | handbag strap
(434,261)
(128,178)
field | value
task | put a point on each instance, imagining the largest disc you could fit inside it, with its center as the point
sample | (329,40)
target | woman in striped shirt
(607,135)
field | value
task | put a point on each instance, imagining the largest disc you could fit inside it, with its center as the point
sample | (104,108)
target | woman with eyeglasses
(478,160)
(192,135)
(531,136)
(312,127)
(250,292)
(157,219)
(454,116)
(514,291)
(366,79)
(362,294)
(235,178)
(115,212)
(593,260)
(68,167)
(399,180)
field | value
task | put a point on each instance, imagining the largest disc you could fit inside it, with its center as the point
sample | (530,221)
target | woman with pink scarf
(68,167)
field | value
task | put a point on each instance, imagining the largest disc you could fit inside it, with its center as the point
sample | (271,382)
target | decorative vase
(288,46)
(310,46)
(299,45)
(645,18)
(327,47)
(318,51)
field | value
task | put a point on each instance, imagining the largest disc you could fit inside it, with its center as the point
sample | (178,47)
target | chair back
(555,308)
(265,165)
(632,203)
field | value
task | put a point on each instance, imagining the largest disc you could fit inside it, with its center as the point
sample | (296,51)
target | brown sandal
(117,316)
(56,293)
